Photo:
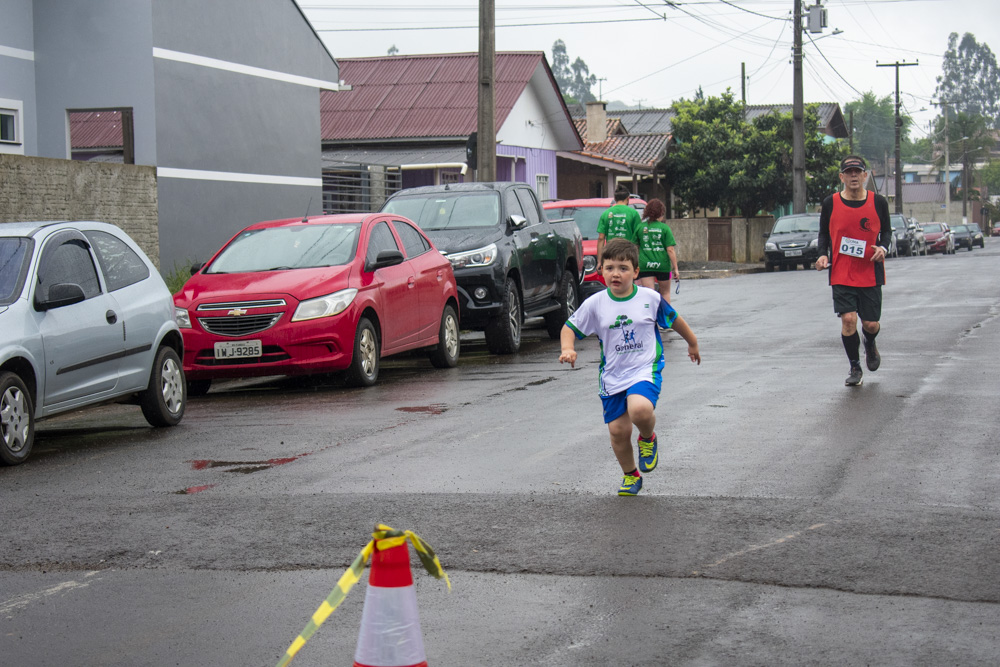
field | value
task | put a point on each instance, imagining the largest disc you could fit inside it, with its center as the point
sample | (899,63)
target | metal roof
(96,129)
(831,119)
(419,97)
(646,121)
(393,156)
(913,193)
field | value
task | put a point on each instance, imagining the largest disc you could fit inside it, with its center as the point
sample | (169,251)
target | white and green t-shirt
(628,328)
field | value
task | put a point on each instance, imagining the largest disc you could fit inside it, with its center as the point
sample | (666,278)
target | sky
(650,53)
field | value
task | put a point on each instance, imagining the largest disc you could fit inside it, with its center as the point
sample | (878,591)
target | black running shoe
(872,358)
(855,378)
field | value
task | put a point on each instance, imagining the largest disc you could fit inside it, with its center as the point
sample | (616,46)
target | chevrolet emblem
(236,312)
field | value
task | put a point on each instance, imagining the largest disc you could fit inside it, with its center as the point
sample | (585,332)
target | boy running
(626,318)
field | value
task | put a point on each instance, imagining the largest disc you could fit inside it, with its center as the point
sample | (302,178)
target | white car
(85,318)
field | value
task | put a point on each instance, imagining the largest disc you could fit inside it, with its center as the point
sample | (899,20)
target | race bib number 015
(853,247)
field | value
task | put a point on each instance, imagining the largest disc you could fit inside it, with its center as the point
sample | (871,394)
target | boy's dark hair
(621,193)
(621,250)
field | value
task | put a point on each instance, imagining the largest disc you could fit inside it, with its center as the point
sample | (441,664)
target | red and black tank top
(853,235)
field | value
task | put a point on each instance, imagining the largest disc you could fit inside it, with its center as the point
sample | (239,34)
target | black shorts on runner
(659,275)
(865,301)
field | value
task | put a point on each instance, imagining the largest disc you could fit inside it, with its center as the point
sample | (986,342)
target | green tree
(921,150)
(723,161)
(875,127)
(970,78)
(990,177)
(574,79)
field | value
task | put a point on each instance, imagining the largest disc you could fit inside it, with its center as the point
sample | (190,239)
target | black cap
(852,162)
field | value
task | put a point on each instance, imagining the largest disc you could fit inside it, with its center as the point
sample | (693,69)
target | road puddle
(435,409)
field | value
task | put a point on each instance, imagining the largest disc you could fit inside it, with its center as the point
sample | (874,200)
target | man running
(618,222)
(855,225)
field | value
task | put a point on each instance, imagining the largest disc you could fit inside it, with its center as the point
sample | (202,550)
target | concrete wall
(125,195)
(691,235)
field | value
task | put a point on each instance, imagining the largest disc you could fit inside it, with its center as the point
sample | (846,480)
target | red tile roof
(419,97)
(96,129)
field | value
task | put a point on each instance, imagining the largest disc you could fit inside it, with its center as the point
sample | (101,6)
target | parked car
(918,241)
(316,295)
(908,238)
(939,238)
(977,235)
(86,319)
(962,236)
(511,263)
(996,230)
(587,213)
(792,241)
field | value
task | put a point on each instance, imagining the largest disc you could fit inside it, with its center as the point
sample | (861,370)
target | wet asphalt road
(791,520)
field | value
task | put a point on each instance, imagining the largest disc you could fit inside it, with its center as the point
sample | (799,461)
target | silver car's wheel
(165,397)
(17,420)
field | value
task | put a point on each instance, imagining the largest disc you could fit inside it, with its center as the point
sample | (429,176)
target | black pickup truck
(510,262)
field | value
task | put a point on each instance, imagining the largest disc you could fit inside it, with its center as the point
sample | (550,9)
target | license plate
(793,253)
(238,349)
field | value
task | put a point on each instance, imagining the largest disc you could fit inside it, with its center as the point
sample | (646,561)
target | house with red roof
(406,120)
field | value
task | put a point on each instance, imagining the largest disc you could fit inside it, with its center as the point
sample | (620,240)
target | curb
(700,274)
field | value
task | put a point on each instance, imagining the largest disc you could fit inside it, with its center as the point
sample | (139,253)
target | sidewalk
(695,270)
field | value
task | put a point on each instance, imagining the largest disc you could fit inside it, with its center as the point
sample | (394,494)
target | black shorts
(662,276)
(865,301)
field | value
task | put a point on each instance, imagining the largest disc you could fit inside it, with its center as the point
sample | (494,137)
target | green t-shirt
(653,238)
(619,221)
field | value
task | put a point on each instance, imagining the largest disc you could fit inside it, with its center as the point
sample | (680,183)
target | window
(529,206)
(542,186)
(381,239)
(122,267)
(452,177)
(11,130)
(414,243)
(67,260)
(513,205)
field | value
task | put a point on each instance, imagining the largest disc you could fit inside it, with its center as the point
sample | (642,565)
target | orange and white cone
(390,625)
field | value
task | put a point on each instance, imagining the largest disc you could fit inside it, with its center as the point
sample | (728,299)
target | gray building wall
(17,75)
(93,55)
(216,120)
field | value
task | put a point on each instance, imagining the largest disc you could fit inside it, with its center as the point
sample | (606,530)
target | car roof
(604,202)
(337,219)
(32,228)
(799,215)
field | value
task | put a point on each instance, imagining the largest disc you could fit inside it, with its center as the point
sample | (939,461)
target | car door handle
(111,317)
(440,276)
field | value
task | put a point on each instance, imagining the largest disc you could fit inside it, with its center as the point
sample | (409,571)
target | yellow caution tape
(383,538)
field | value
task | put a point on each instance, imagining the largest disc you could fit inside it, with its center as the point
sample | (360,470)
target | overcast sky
(648,60)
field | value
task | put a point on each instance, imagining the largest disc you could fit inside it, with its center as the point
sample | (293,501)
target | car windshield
(586,217)
(14,255)
(959,228)
(803,223)
(932,229)
(898,222)
(448,210)
(302,246)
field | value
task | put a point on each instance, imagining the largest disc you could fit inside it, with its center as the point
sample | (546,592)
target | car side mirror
(61,294)
(195,268)
(766,235)
(518,221)
(385,258)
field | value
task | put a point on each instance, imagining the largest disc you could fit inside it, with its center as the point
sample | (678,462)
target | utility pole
(743,81)
(798,124)
(965,183)
(486,147)
(600,88)
(947,167)
(899,123)
(850,132)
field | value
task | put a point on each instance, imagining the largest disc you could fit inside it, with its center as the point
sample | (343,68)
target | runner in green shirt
(619,221)
(657,249)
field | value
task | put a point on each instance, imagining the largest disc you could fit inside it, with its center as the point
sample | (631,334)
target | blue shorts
(617,404)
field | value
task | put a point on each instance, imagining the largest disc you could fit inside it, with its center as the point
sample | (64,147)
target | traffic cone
(390,625)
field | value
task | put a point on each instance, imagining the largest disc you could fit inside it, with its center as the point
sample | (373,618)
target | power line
(476,27)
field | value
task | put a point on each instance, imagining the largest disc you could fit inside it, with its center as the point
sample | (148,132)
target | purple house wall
(528,164)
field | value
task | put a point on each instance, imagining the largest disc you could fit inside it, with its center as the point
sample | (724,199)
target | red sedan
(316,295)
(587,213)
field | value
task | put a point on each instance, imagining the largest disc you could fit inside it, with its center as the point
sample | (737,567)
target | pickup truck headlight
(770,246)
(183,317)
(479,257)
(324,306)
(589,263)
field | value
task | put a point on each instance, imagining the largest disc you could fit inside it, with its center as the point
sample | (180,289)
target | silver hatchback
(85,318)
